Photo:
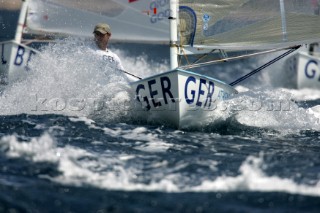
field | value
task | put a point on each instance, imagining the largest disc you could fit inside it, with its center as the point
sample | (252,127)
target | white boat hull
(306,69)
(15,60)
(178,98)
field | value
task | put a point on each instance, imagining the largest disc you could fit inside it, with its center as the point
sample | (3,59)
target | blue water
(99,159)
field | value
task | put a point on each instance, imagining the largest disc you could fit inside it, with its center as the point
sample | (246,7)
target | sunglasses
(97,33)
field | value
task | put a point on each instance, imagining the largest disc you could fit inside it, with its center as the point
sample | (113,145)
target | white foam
(148,142)
(252,178)
(87,121)
(305,94)
(315,111)
(38,149)
(111,171)
(42,149)
(272,109)
(68,79)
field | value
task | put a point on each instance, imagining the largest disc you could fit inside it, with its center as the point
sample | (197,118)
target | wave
(112,171)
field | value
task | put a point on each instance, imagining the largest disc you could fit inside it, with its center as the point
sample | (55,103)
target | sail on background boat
(127,19)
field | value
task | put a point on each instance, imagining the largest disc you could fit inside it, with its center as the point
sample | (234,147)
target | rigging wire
(232,58)
(264,66)
(126,72)
(291,49)
(203,56)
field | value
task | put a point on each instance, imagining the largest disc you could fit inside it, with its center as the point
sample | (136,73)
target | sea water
(67,144)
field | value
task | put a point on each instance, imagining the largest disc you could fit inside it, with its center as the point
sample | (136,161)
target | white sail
(249,24)
(130,20)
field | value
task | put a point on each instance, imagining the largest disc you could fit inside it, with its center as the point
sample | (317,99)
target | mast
(173,34)
(21,21)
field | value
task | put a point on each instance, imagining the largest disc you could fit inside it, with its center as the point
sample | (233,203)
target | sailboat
(304,65)
(182,97)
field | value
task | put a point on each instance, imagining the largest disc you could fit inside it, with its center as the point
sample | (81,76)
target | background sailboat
(129,19)
(304,65)
(40,19)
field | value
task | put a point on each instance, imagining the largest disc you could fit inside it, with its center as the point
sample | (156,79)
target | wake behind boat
(179,97)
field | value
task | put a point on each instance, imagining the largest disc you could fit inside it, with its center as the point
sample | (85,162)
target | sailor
(102,34)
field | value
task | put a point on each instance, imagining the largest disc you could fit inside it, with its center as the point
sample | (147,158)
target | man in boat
(102,34)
